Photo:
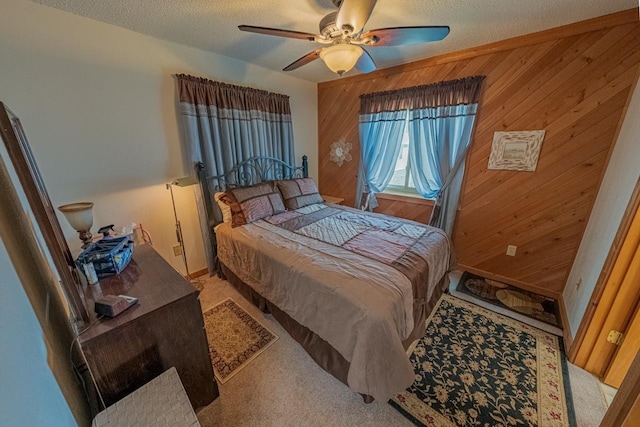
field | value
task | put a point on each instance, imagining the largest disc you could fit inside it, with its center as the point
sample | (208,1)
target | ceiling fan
(343,32)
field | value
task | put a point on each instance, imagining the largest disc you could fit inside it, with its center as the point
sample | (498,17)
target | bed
(353,288)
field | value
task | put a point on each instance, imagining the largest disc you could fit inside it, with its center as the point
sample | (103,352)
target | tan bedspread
(360,306)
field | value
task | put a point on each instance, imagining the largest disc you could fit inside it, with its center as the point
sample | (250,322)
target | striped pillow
(298,193)
(249,204)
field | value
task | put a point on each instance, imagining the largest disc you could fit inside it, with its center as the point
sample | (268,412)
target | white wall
(29,393)
(98,106)
(616,189)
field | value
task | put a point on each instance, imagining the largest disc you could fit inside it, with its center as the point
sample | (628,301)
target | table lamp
(80,217)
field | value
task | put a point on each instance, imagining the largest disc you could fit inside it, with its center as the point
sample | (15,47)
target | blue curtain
(382,122)
(223,125)
(441,124)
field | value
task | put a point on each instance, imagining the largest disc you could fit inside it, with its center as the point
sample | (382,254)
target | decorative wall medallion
(340,151)
(518,151)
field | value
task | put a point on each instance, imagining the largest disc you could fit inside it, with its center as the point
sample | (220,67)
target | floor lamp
(181,182)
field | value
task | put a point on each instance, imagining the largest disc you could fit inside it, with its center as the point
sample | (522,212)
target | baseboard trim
(199,273)
(566,330)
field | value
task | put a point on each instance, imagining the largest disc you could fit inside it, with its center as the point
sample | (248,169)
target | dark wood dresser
(164,329)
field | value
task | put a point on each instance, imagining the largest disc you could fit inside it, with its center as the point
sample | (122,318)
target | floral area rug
(475,367)
(235,338)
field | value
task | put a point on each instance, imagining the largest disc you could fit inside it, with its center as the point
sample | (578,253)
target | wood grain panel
(573,81)
(405,207)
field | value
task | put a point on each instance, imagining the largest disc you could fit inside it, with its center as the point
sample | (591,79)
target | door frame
(614,251)
(625,224)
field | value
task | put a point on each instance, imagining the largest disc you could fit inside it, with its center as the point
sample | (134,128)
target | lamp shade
(184,181)
(341,58)
(79,215)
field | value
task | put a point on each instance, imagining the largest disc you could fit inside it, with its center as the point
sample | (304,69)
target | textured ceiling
(212,24)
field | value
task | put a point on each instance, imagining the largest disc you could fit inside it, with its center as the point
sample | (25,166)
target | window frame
(405,190)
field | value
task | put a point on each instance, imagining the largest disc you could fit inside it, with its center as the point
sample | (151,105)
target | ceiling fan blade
(309,57)
(404,35)
(365,63)
(278,32)
(353,14)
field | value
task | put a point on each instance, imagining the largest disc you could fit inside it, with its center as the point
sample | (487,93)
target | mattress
(355,279)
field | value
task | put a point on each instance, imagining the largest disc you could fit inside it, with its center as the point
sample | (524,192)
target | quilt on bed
(408,247)
(350,277)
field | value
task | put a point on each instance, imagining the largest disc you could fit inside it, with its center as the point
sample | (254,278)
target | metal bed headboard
(249,172)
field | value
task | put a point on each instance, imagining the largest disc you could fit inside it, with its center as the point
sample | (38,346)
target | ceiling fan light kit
(343,31)
(341,58)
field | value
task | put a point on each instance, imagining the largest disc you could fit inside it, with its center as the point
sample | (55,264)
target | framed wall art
(517,150)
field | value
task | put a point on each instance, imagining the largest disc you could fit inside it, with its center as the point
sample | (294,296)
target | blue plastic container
(108,256)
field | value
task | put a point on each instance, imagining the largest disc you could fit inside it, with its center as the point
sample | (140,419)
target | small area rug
(475,367)
(235,338)
(503,295)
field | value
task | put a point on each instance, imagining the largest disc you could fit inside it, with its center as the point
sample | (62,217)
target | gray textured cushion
(249,204)
(298,193)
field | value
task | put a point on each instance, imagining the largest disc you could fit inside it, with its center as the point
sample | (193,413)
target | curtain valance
(441,94)
(201,91)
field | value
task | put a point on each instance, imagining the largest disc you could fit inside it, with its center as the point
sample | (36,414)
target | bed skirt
(321,351)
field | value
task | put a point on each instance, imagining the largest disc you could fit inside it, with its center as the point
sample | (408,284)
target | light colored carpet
(284,387)
(588,400)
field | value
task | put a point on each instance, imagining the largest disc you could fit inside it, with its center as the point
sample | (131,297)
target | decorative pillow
(249,204)
(224,207)
(298,193)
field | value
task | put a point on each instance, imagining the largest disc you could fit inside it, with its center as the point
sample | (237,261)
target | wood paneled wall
(572,81)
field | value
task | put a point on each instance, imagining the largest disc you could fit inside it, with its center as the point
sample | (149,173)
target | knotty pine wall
(573,82)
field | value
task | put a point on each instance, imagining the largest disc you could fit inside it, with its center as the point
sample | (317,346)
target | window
(402,181)
(437,120)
